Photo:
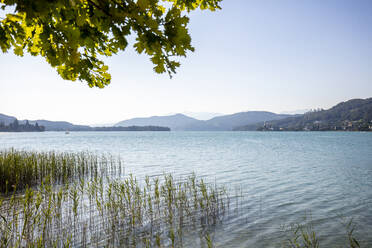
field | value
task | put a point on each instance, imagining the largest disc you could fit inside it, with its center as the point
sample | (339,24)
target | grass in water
(303,235)
(19,169)
(70,200)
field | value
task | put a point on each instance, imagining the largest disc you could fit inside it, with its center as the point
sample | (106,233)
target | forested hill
(60,126)
(176,122)
(11,124)
(48,125)
(229,122)
(15,126)
(352,115)
(180,122)
(131,128)
(6,119)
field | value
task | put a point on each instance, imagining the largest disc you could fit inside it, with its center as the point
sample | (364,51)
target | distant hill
(174,122)
(229,122)
(59,125)
(6,119)
(49,125)
(131,128)
(67,126)
(353,115)
(180,122)
(15,126)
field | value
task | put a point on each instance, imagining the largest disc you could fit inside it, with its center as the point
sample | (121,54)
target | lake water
(284,176)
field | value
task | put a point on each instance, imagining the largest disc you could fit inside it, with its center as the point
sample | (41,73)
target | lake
(282,176)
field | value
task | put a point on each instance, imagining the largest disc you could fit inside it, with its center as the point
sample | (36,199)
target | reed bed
(103,212)
(21,169)
(82,200)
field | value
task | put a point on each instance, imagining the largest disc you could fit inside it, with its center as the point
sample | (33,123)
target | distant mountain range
(176,122)
(67,126)
(181,122)
(352,115)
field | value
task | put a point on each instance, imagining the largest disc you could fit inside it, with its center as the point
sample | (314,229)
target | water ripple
(282,176)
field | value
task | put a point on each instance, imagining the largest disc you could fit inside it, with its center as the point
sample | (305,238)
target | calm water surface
(283,175)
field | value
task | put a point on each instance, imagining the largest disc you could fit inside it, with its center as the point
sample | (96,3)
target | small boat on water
(67,132)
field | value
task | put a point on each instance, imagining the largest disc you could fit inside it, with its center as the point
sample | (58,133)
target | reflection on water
(283,175)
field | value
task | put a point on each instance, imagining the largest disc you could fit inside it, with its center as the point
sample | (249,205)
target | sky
(273,55)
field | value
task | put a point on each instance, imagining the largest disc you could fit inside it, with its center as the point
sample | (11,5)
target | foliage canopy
(72,35)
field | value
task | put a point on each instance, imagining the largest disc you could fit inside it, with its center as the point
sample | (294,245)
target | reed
(304,235)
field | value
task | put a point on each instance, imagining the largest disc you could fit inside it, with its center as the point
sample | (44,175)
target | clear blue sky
(275,55)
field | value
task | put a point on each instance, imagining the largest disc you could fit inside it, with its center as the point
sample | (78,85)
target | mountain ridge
(181,122)
(351,115)
(175,121)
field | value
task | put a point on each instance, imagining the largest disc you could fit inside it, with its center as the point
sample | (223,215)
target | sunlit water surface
(283,175)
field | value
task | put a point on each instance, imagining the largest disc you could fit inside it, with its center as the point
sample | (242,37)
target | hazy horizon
(196,115)
(251,55)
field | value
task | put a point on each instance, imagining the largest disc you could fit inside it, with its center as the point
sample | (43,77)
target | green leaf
(71,35)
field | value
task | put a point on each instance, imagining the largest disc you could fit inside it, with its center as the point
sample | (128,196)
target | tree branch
(100,8)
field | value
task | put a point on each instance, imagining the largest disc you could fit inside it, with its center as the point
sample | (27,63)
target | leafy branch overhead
(72,34)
